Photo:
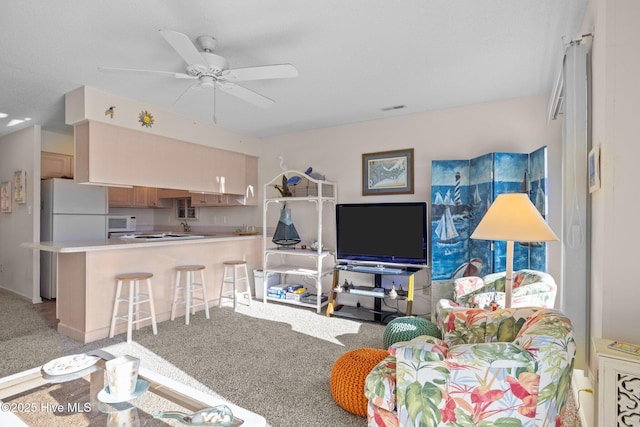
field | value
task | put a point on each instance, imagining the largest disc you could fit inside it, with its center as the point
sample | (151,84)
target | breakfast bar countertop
(117,243)
(86,273)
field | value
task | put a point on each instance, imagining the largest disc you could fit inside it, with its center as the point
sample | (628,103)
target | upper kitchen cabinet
(199,200)
(120,197)
(155,198)
(55,165)
(107,154)
(251,177)
(229,169)
(136,197)
(249,197)
(165,193)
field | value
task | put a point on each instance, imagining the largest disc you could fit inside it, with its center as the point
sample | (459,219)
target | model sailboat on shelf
(286,233)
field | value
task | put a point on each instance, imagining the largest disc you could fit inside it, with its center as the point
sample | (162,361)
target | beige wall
(57,143)
(86,102)
(516,125)
(616,91)
(21,267)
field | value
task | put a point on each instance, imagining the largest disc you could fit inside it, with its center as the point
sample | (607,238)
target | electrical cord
(586,390)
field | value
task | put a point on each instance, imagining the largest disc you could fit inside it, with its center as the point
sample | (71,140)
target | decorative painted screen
(461,193)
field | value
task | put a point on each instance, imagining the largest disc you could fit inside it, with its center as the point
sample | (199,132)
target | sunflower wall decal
(146,118)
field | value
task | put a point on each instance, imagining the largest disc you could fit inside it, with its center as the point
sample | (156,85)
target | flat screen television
(382,234)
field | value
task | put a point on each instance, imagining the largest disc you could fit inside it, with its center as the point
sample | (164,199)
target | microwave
(122,223)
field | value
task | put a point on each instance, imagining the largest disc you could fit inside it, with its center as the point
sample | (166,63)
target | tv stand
(375,269)
(360,313)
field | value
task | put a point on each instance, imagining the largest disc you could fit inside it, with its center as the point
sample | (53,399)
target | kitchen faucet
(185,226)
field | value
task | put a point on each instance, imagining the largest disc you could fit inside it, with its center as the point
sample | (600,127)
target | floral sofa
(531,288)
(509,367)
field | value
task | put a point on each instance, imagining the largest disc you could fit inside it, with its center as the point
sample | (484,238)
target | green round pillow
(407,328)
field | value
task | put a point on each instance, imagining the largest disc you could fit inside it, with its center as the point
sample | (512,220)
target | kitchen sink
(160,237)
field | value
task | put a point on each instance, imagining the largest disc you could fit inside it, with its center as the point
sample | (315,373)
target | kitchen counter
(117,243)
(86,273)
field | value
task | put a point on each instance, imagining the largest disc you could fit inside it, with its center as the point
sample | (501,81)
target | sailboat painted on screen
(540,199)
(446,229)
(476,196)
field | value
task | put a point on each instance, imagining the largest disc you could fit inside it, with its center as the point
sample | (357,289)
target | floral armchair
(531,288)
(509,367)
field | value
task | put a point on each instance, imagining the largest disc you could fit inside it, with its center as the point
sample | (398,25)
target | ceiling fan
(212,71)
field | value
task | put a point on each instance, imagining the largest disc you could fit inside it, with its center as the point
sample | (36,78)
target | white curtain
(575,226)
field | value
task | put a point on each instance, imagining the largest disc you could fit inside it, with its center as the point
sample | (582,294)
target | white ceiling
(354,57)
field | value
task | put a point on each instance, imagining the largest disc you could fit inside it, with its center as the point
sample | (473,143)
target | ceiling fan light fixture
(207,82)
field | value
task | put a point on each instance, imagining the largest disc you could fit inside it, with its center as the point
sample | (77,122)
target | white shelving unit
(299,263)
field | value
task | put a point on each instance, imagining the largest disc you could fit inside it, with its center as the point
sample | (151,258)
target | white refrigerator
(70,211)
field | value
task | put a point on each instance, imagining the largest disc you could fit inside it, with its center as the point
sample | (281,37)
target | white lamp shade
(513,217)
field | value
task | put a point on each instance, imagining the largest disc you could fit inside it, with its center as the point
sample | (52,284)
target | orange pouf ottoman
(348,376)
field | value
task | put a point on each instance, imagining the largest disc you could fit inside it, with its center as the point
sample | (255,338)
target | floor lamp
(512,217)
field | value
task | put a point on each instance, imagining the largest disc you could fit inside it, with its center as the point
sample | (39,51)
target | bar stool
(231,277)
(134,300)
(188,290)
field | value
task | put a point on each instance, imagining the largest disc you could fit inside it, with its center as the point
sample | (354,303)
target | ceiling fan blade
(277,71)
(184,92)
(146,72)
(185,48)
(246,94)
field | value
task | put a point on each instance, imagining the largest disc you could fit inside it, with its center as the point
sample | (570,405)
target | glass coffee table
(33,398)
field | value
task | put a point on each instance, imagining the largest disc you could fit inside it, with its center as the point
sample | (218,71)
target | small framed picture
(387,172)
(19,186)
(5,197)
(594,169)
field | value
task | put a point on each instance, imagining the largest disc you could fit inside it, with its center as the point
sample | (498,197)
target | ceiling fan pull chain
(214,106)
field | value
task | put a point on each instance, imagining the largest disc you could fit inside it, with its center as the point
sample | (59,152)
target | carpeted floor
(266,366)
(272,359)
